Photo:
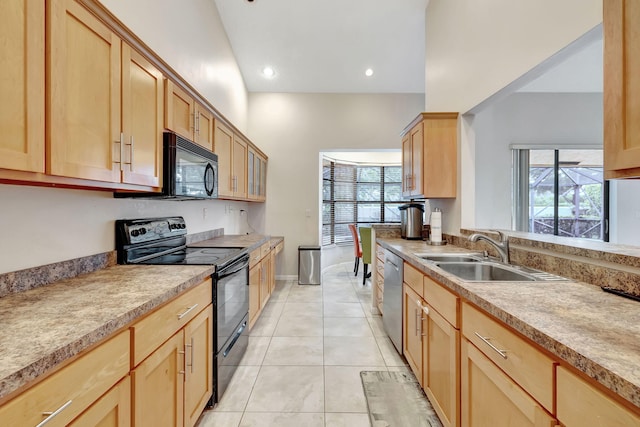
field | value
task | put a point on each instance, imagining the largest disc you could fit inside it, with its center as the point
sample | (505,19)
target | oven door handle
(235,268)
(235,338)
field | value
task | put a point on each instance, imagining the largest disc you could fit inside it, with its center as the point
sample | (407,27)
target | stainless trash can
(308,265)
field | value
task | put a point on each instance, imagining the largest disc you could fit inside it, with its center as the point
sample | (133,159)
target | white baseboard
(287,277)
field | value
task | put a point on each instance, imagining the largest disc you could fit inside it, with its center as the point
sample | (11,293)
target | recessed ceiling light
(368,72)
(268,72)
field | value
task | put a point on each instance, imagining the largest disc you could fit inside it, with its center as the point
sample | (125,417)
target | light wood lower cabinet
(262,278)
(70,391)
(581,404)
(491,399)
(440,369)
(412,329)
(111,410)
(173,364)
(158,386)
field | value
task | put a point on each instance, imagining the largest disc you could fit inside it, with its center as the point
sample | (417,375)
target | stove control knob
(183,225)
(135,233)
(143,230)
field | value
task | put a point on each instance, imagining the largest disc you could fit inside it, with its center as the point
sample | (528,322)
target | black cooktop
(195,256)
(162,241)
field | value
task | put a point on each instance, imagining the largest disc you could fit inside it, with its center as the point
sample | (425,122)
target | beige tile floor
(306,351)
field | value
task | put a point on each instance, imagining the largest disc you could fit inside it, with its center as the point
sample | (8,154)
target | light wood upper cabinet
(83,97)
(256,175)
(186,117)
(429,150)
(621,89)
(22,35)
(239,170)
(142,108)
(232,151)
(223,143)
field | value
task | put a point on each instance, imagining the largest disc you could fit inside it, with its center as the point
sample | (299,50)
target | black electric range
(162,241)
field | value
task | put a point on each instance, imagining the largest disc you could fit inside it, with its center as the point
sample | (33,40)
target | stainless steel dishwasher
(392,298)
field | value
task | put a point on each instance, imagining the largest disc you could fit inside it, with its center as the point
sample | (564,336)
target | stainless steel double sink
(474,267)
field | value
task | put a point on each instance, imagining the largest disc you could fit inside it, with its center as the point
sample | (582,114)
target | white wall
(49,225)
(45,225)
(190,37)
(294,128)
(475,48)
(553,119)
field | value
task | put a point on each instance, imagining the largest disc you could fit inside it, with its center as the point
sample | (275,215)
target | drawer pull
(502,353)
(191,348)
(181,315)
(52,415)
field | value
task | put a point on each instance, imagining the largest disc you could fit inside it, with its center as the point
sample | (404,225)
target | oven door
(231,300)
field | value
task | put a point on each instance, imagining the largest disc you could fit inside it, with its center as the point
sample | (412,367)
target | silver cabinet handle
(131,151)
(180,316)
(120,142)
(191,357)
(502,353)
(52,415)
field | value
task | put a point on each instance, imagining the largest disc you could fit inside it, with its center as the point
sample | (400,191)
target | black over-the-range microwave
(189,171)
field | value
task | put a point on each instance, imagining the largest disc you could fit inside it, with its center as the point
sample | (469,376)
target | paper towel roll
(436,226)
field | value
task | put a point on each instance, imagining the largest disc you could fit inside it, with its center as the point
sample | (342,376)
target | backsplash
(30,278)
(23,280)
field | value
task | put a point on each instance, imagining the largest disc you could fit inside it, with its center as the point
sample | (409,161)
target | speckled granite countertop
(42,327)
(595,332)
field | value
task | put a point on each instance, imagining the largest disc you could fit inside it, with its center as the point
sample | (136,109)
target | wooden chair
(361,250)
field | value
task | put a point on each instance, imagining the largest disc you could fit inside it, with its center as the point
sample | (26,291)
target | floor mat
(395,399)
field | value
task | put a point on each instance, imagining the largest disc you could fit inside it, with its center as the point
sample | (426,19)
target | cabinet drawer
(74,387)
(380,253)
(279,247)
(255,256)
(441,300)
(580,404)
(413,278)
(150,332)
(528,366)
(265,249)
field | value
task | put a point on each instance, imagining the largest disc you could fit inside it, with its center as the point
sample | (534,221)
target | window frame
(345,238)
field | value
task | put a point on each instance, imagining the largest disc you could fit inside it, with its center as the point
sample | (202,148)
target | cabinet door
(204,127)
(580,404)
(111,410)
(83,100)
(407,165)
(439,157)
(198,339)
(412,330)
(417,161)
(178,111)
(239,158)
(254,293)
(489,398)
(158,386)
(262,180)
(264,281)
(22,79)
(272,271)
(441,354)
(252,185)
(142,107)
(223,147)
(621,89)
